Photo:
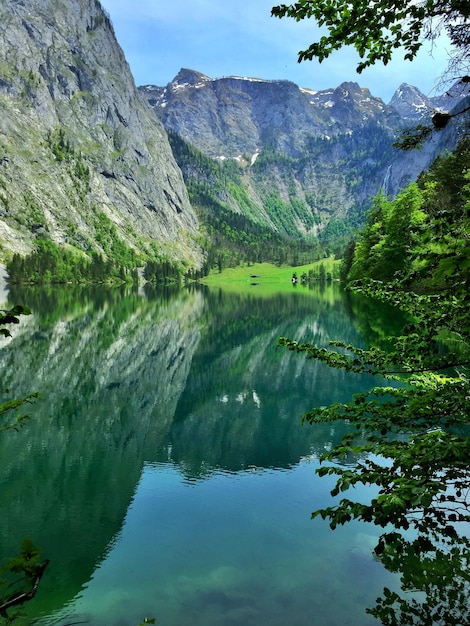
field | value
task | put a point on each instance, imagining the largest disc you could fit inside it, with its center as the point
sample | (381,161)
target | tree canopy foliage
(376,28)
(421,236)
(21,575)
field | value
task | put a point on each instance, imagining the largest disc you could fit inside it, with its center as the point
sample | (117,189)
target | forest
(413,253)
(231,237)
(421,237)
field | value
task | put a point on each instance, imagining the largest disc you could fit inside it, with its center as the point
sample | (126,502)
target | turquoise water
(165,471)
(233,549)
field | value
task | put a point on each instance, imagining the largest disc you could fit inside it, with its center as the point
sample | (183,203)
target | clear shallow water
(232,549)
(166,472)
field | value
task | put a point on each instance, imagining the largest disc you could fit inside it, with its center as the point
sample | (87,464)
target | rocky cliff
(77,140)
(229,116)
(322,155)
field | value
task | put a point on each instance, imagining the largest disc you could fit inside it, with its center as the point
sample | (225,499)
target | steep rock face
(229,116)
(413,105)
(415,108)
(309,156)
(76,137)
(410,103)
(321,154)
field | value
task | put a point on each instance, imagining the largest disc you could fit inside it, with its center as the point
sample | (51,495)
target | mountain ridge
(318,155)
(85,158)
(330,107)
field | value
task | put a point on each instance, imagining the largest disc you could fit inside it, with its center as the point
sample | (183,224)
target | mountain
(229,116)
(79,147)
(317,157)
(412,105)
(85,156)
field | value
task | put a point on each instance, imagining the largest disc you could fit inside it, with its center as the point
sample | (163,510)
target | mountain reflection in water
(165,470)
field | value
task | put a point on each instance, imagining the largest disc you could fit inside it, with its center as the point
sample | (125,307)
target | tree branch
(24,596)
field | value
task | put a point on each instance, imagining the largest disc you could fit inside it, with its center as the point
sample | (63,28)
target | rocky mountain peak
(410,103)
(189,77)
(352,104)
(413,105)
(350,90)
(232,115)
(319,153)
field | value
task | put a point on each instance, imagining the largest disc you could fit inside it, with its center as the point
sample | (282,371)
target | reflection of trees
(439,573)
(109,370)
(192,377)
(418,432)
(51,304)
(244,396)
(375,321)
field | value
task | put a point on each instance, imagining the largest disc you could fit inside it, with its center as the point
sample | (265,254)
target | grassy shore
(263,276)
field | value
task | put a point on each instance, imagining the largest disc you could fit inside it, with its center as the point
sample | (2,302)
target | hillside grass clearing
(266,277)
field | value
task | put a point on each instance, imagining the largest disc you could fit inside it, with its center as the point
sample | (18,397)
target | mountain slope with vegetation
(422,237)
(309,160)
(81,156)
(234,229)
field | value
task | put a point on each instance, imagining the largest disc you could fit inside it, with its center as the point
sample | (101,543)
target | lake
(165,471)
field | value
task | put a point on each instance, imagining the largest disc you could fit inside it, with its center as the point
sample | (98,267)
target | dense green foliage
(422,235)
(21,575)
(321,272)
(51,263)
(410,438)
(162,272)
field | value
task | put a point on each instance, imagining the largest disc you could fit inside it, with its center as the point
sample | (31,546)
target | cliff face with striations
(323,154)
(228,116)
(84,158)
(78,140)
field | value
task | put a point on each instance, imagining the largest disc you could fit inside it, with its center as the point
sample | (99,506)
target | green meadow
(266,277)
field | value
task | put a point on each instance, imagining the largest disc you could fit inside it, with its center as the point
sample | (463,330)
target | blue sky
(240,38)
